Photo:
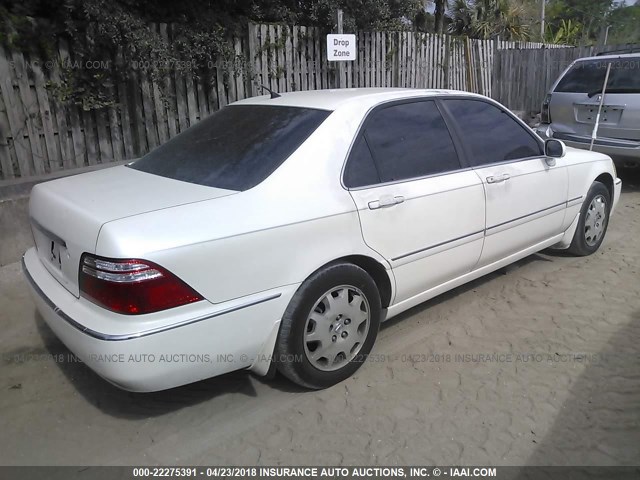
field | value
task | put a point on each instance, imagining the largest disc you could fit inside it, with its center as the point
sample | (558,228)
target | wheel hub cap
(336,328)
(595,220)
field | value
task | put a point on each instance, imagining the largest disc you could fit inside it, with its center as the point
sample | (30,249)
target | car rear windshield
(588,76)
(235,148)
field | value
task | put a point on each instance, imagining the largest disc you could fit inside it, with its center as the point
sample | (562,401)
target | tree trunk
(439,14)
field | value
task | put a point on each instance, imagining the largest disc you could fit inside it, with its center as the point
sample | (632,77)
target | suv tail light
(132,286)
(545,115)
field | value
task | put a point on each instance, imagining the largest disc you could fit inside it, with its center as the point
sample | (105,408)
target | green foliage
(424,22)
(26,33)
(368,15)
(489,19)
(589,16)
(585,21)
(625,25)
(119,36)
(110,41)
(568,33)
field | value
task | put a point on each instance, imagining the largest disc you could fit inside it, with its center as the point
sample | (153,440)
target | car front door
(526,192)
(419,207)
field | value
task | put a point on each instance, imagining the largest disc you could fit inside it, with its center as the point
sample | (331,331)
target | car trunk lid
(67,214)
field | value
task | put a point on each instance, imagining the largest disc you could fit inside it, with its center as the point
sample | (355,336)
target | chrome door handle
(386,201)
(498,178)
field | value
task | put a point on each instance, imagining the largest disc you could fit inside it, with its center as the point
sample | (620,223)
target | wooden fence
(384,59)
(522,78)
(40,134)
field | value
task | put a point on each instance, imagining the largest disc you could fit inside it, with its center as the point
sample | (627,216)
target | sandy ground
(535,364)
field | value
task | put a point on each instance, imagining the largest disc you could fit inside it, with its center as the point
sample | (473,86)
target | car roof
(333,98)
(609,57)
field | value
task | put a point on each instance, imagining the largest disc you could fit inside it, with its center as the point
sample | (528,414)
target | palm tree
(441,6)
(488,19)
(463,18)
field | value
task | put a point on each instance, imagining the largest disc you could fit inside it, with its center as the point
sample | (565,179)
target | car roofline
(335,98)
(608,57)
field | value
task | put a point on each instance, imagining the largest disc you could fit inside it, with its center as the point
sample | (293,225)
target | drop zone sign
(341,47)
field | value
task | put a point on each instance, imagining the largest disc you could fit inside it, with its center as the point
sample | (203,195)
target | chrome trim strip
(527,215)
(436,245)
(485,231)
(574,201)
(132,336)
(48,233)
(602,141)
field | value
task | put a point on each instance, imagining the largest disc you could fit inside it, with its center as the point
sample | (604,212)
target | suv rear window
(236,148)
(588,76)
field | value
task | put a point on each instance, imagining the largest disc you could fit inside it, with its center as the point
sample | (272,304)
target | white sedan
(279,232)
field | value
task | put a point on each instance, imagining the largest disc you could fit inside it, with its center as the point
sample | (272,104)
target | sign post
(340,48)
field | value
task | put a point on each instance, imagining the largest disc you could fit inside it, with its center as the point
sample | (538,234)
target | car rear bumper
(623,152)
(157,355)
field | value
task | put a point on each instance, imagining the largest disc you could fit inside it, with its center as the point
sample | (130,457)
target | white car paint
(429,202)
(537,196)
(248,252)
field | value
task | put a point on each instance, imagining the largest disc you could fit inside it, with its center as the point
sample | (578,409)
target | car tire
(593,221)
(329,327)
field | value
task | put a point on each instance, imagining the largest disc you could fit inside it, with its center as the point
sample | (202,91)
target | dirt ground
(536,364)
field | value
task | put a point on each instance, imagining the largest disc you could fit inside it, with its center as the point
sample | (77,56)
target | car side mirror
(554,148)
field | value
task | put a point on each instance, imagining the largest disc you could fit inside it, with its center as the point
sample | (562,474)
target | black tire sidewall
(291,349)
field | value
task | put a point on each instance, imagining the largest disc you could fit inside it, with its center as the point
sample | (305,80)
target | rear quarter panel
(275,234)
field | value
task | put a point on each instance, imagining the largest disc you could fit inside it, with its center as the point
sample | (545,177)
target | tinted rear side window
(410,140)
(588,76)
(491,134)
(624,75)
(583,77)
(361,169)
(235,148)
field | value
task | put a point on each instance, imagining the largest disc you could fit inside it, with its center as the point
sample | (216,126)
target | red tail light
(132,286)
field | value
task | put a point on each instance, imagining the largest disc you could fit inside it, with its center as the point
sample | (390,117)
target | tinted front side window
(410,140)
(235,148)
(491,134)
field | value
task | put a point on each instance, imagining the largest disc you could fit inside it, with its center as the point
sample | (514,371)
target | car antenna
(594,133)
(273,94)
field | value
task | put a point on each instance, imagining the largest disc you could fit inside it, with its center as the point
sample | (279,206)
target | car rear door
(526,192)
(418,206)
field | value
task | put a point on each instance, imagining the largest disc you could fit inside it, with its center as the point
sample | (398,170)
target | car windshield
(235,148)
(588,76)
